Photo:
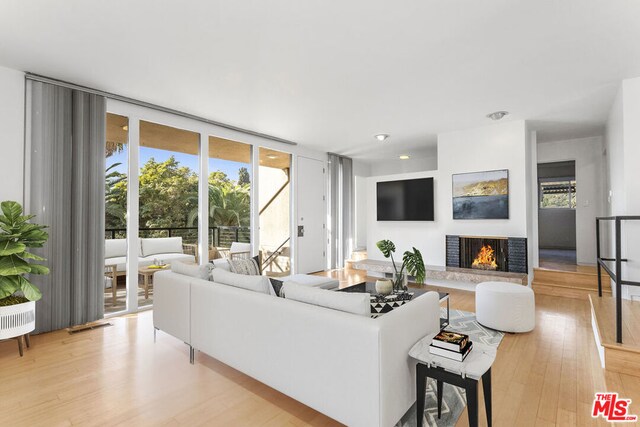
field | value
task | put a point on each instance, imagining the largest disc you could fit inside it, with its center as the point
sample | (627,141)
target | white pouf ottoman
(507,307)
(311,281)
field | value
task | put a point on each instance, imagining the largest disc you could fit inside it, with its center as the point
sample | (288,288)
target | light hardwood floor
(117,376)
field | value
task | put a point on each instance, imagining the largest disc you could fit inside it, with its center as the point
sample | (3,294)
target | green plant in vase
(17,234)
(412,262)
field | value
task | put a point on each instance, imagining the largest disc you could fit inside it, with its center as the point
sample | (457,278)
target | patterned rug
(453,398)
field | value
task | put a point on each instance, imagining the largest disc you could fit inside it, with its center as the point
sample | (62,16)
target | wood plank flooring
(118,376)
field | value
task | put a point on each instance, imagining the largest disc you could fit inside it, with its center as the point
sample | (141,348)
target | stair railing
(618,260)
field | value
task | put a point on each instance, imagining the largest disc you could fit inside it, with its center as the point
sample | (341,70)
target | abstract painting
(481,195)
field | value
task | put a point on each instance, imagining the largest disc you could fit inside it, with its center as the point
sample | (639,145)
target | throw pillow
(276,285)
(222,263)
(350,302)
(248,267)
(192,270)
(252,283)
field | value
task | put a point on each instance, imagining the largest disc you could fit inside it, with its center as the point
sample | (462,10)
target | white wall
(587,153)
(396,166)
(12,134)
(499,146)
(623,177)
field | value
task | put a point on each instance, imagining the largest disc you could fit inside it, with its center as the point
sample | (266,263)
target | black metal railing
(219,236)
(616,275)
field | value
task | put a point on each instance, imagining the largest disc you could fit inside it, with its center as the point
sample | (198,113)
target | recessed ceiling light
(125,128)
(404,157)
(381,136)
(497,115)
(271,156)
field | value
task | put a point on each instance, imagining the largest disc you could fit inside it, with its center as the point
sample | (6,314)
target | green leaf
(30,291)
(415,265)
(387,247)
(12,210)
(29,255)
(12,265)
(39,269)
(10,247)
(8,286)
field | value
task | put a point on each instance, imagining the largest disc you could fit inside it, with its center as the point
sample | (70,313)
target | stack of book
(451,345)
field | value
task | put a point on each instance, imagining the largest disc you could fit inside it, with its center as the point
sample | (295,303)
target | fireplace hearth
(487,253)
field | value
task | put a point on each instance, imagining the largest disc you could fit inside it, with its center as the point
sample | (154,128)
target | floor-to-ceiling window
(274,211)
(168,201)
(229,193)
(176,192)
(116,165)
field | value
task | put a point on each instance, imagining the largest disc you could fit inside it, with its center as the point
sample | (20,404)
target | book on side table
(451,345)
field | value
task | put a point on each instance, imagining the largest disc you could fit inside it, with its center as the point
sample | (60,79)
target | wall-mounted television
(407,200)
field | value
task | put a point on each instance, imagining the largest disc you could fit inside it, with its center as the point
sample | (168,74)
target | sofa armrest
(400,329)
(172,304)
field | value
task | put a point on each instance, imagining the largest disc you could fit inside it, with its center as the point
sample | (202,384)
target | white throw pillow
(350,302)
(192,270)
(251,283)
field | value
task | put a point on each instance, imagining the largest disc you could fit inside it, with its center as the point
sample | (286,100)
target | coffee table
(147,273)
(370,287)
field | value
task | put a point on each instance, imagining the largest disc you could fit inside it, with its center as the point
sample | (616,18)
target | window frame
(568,179)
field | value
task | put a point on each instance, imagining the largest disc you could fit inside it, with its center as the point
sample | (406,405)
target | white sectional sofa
(350,367)
(166,249)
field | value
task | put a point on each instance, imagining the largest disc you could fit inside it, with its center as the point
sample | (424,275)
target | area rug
(453,398)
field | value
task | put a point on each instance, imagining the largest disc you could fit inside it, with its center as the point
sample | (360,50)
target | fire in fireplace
(485,260)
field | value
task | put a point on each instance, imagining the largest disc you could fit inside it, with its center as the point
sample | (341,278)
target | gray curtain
(66,180)
(341,210)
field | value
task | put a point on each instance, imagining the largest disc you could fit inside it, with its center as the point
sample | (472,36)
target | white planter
(17,320)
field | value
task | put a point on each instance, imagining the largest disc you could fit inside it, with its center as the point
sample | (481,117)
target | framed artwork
(481,195)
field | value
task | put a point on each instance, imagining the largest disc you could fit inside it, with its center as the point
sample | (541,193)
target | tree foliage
(169,197)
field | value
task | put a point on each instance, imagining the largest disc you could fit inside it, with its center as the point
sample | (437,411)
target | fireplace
(487,253)
(484,253)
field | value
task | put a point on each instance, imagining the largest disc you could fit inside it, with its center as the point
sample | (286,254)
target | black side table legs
(470,385)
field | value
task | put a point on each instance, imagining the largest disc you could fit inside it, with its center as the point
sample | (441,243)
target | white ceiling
(330,75)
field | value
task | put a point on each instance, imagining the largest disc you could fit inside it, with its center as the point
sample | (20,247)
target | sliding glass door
(176,191)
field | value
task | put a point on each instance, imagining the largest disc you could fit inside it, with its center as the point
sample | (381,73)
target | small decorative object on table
(451,345)
(411,261)
(381,304)
(384,286)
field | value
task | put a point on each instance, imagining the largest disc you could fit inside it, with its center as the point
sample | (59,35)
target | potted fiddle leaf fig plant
(17,294)
(412,262)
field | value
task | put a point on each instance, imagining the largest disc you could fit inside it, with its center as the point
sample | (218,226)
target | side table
(465,374)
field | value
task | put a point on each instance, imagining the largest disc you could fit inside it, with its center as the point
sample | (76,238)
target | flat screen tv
(408,200)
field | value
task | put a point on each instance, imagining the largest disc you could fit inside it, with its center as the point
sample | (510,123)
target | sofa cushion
(192,270)
(350,302)
(161,245)
(120,262)
(249,266)
(115,248)
(240,248)
(252,283)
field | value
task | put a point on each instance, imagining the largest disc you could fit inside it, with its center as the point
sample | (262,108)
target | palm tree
(229,205)
(114,210)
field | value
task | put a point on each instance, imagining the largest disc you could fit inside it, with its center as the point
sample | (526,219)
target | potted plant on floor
(17,294)
(411,261)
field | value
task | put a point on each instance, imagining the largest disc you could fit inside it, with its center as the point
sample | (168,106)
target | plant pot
(400,281)
(384,286)
(17,320)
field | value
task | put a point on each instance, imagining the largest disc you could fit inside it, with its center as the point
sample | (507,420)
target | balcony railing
(219,236)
